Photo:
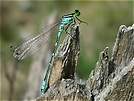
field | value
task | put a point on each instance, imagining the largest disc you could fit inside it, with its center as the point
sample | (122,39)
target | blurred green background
(104,19)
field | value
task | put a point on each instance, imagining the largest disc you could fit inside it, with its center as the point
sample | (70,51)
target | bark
(112,79)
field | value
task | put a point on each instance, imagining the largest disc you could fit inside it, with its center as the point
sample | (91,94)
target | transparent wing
(33,44)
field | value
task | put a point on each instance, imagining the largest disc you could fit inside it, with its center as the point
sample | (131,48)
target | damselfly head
(77,13)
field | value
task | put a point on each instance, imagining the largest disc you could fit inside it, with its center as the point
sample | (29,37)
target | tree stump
(112,79)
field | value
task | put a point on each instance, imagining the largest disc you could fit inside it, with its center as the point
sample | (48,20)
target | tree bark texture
(111,80)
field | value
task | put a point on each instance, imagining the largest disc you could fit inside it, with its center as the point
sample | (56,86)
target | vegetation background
(104,19)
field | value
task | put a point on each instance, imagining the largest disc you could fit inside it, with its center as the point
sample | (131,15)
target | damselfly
(32,45)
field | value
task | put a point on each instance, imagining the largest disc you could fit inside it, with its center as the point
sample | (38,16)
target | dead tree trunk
(112,79)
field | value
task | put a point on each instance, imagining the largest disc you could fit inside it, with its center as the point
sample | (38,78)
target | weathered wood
(62,83)
(112,79)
